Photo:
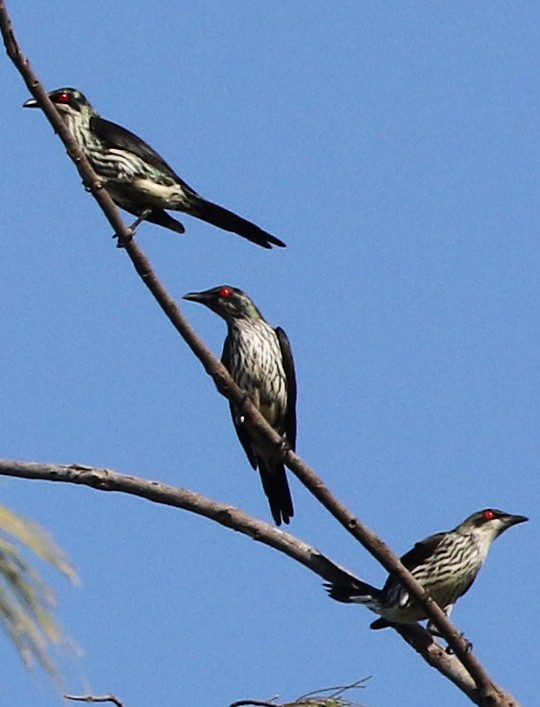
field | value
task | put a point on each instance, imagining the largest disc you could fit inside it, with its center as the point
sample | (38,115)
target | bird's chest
(454,578)
(256,363)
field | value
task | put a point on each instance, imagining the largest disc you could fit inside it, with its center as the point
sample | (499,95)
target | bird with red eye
(137,177)
(61,97)
(260,361)
(446,565)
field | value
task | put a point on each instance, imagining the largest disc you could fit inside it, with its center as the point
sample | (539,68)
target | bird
(260,361)
(136,177)
(445,564)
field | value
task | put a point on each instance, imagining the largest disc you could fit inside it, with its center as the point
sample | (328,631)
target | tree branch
(95,698)
(224,514)
(486,692)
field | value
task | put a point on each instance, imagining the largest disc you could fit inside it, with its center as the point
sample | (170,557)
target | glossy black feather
(276,487)
(229,221)
(345,590)
(290,374)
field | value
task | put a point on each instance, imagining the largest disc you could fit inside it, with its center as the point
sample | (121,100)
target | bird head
(229,302)
(489,523)
(69,101)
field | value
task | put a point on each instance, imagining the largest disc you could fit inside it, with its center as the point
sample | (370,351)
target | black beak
(31,103)
(514,520)
(201,297)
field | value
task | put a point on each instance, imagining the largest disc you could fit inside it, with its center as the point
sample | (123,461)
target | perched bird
(445,564)
(137,178)
(260,361)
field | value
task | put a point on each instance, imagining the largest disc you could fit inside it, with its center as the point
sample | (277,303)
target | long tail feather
(228,221)
(276,488)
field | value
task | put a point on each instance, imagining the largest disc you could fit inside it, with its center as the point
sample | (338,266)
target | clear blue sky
(394,147)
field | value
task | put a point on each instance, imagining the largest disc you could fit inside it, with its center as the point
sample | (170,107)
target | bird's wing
(416,556)
(241,430)
(421,551)
(124,139)
(288,367)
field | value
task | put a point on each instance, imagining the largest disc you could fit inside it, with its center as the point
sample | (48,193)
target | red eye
(63,98)
(489,515)
(225,292)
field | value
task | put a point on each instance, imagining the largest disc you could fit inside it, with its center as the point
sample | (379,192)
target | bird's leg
(140,218)
(133,227)
(431,626)
(435,632)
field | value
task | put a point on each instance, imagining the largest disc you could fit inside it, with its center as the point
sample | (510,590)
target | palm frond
(26,600)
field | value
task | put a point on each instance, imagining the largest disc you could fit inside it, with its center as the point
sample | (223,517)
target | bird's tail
(351,590)
(276,488)
(222,218)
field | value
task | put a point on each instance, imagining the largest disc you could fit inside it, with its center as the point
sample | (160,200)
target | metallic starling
(445,564)
(137,178)
(260,360)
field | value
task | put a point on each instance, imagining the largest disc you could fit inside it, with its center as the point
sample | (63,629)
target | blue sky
(394,147)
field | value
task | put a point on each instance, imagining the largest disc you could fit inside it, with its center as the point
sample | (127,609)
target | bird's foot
(468,647)
(132,228)
(285,446)
(122,240)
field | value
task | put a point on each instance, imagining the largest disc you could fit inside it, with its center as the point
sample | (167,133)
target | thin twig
(336,691)
(95,698)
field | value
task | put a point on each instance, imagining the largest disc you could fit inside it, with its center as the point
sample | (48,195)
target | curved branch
(487,692)
(158,492)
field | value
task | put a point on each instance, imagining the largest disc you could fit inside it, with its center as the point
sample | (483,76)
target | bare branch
(226,515)
(485,692)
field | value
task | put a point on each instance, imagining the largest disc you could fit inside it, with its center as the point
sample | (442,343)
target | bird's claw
(284,446)
(468,647)
(122,240)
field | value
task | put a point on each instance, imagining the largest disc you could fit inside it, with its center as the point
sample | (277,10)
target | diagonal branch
(487,692)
